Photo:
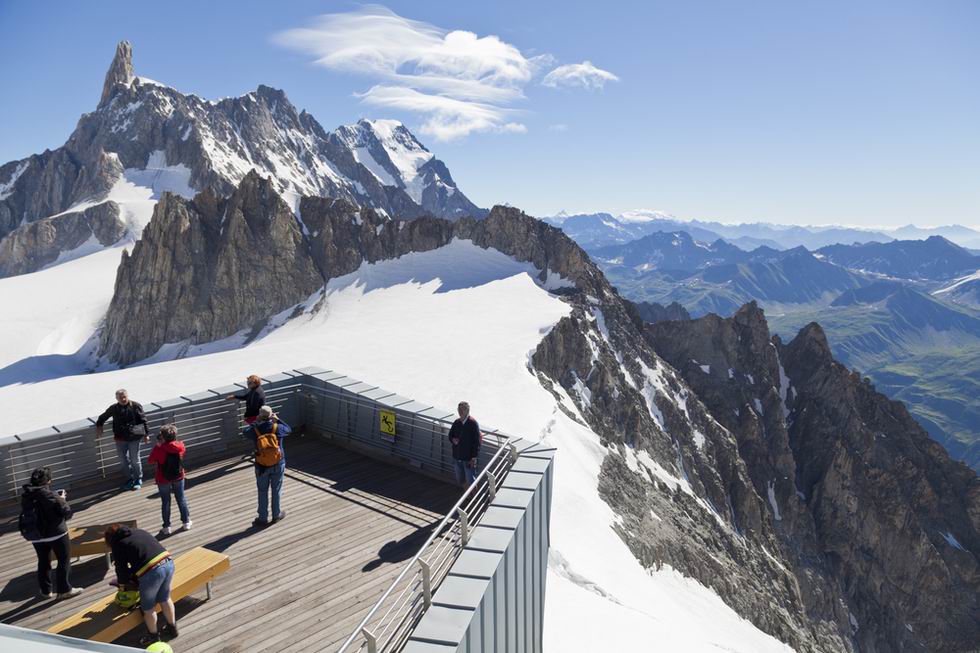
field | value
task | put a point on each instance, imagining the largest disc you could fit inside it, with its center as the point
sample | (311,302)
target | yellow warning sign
(388,422)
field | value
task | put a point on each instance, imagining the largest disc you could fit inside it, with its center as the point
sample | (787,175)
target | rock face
(675,475)
(654,312)
(37,244)
(870,512)
(207,268)
(152,136)
(120,71)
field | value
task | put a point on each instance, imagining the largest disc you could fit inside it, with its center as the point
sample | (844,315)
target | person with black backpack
(128,430)
(270,462)
(168,456)
(42,523)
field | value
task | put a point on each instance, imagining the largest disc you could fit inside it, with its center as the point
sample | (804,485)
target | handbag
(137,431)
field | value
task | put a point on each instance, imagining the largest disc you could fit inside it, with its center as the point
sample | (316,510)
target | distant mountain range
(964,291)
(718,277)
(902,312)
(932,259)
(592,230)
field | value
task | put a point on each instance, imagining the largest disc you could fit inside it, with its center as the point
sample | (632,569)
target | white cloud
(447,118)
(461,82)
(584,75)
(558,127)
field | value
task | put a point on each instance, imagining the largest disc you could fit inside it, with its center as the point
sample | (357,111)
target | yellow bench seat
(104,621)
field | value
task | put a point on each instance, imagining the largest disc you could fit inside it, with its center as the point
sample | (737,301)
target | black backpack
(31,520)
(172,467)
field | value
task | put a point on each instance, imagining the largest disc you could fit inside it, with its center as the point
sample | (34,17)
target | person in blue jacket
(270,462)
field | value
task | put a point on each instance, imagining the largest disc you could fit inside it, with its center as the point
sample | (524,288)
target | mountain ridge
(150,137)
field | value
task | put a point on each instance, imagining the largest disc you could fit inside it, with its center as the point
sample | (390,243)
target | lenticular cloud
(582,75)
(462,82)
(459,81)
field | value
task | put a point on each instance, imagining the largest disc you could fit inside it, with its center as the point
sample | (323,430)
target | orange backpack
(267,453)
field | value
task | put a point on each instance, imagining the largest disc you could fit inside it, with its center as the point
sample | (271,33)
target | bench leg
(208,587)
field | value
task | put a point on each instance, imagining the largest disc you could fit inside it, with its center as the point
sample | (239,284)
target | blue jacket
(282,430)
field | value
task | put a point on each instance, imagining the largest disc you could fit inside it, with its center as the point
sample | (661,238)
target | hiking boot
(148,638)
(187,525)
(168,631)
(259,523)
(74,591)
(165,531)
(282,515)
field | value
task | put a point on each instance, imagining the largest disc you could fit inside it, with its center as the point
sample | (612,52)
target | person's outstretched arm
(103,417)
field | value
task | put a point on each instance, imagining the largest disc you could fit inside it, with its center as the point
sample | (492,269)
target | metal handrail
(500,463)
(208,428)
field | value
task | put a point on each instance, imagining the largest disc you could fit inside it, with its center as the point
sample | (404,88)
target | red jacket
(159,456)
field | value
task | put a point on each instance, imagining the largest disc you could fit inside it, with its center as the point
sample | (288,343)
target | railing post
(464,527)
(13,474)
(98,446)
(372,641)
(426,583)
(513,452)
(491,485)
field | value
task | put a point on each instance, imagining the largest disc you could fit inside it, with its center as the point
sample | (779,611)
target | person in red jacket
(168,455)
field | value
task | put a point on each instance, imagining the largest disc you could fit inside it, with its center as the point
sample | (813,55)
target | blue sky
(811,113)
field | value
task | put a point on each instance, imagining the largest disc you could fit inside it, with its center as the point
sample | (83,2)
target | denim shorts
(155,585)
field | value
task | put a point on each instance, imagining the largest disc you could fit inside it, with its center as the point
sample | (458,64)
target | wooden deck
(300,585)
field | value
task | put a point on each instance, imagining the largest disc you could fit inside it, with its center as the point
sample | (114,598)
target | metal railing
(389,623)
(421,441)
(207,426)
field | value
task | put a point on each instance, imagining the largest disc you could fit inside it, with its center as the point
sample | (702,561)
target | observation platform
(299,585)
(380,551)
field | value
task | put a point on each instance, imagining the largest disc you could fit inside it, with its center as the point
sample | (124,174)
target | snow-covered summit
(644,215)
(141,125)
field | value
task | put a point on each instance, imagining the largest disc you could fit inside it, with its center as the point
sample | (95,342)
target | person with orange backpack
(270,462)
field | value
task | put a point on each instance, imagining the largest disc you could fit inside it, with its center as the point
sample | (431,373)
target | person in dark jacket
(141,560)
(253,396)
(270,467)
(464,435)
(52,512)
(128,430)
(168,456)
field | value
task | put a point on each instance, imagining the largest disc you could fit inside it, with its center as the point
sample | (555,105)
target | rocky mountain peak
(840,465)
(120,71)
(164,140)
(811,343)
(750,315)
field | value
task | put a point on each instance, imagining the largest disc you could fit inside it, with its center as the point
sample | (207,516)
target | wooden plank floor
(302,584)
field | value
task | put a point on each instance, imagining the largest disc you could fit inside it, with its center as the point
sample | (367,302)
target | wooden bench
(90,540)
(104,621)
